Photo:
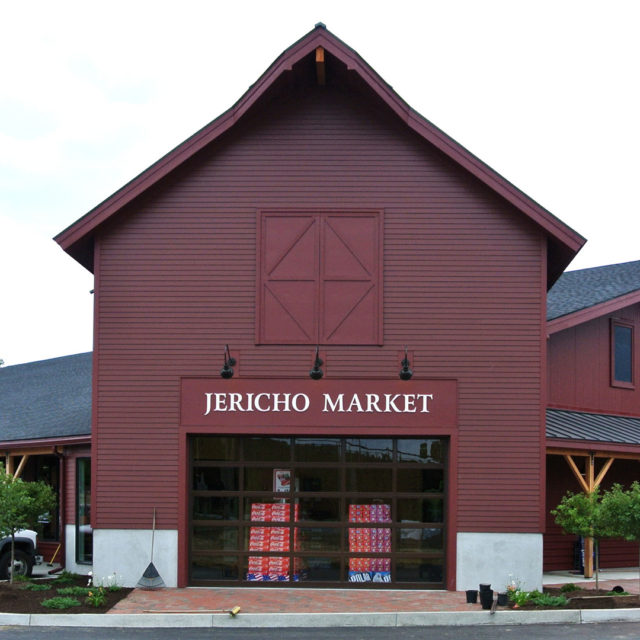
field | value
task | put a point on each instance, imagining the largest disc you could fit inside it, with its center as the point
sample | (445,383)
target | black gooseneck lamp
(229,363)
(405,371)
(316,373)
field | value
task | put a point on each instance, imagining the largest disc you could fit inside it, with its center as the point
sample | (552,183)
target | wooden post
(588,542)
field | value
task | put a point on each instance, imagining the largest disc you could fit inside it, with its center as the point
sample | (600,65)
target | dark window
(84,533)
(622,354)
(319,279)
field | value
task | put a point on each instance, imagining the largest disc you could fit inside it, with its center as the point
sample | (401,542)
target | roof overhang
(591,313)
(564,242)
(41,446)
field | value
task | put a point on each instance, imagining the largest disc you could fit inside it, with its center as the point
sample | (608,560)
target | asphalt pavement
(608,631)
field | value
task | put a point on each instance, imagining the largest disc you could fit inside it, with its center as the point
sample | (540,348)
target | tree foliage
(21,504)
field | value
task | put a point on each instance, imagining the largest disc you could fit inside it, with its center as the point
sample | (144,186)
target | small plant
(66,577)
(567,588)
(18,577)
(74,591)
(547,600)
(60,602)
(618,593)
(519,597)
(31,586)
(96,597)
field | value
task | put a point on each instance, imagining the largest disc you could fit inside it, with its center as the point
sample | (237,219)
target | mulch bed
(14,598)
(589,599)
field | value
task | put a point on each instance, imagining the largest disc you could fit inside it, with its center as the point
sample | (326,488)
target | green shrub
(74,591)
(618,593)
(31,586)
(60,602)
(567,588)
(66,577)
(18,577)
(547,600)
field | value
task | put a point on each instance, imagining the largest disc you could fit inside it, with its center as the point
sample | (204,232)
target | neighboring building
(45,434)
(593,420)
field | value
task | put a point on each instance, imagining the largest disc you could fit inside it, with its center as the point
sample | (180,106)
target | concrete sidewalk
(282,607)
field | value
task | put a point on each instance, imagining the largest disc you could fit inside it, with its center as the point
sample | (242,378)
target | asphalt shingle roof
(46,399)
(576,425)
(584,288)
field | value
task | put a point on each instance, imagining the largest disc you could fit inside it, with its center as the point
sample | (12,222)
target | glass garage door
(317,511)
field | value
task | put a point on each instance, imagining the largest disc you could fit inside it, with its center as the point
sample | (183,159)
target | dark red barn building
(378,417)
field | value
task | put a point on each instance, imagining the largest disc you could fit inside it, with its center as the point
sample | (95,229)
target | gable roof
(585,294)
(46,399)
(563,242)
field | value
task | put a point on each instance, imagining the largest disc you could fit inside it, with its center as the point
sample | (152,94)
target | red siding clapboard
(463,275)
(580,367)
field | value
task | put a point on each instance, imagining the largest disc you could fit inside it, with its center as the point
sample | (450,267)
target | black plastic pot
(472,596)
(484,587)
(503,600)
(486,598)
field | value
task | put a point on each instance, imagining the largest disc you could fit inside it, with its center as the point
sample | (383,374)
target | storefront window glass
(215,448)
(421,480)
(317,449)
(369,450)
(320,510)
(266,449)
(369,480)
(415,450)
(410,539)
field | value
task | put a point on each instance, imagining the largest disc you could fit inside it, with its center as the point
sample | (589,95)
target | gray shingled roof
(46,399)
(576,425)
(584,288)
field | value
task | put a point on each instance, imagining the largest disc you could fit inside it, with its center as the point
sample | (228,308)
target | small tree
(620,512)
(21,504)
(581,514)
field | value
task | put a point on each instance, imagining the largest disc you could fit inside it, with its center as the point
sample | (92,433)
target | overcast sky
(91,93)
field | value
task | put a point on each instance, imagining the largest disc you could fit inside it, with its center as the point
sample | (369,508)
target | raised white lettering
(284,402)
(306,401)
(390,402)
(409,403)
(257,402)
(425,397)
(235,402)
(333,406)
(372,402)
(208,403)
(221,401)
(355,402)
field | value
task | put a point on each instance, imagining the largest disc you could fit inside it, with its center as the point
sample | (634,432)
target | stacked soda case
(370,540)
(271,538)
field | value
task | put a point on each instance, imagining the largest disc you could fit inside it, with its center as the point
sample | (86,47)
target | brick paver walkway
(282,600)
(260,600)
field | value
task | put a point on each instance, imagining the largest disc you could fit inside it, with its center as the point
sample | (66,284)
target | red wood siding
(558,546)
(463,288)
(580,367)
